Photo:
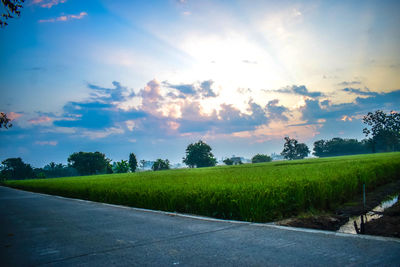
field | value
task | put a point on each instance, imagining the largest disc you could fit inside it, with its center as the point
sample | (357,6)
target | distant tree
(10,8)
(292,149)
(338,146)
(88,163)
(142,164)
(15,168)
(121,166)
(39,173)
(132,162)
(384,129)
(261,158)
(228,161)
(160,164)
(199,155)
(52,170)
(4,121)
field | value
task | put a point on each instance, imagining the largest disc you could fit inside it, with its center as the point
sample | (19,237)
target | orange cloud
(40,120)
(346,118)
(12,115)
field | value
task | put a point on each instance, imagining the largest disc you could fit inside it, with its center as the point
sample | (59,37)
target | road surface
(38,229)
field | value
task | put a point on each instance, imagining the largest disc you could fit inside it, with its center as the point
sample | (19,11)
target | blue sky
(150,77)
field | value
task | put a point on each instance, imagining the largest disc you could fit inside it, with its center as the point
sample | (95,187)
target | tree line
(382,129)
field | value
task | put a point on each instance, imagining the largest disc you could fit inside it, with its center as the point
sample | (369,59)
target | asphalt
(37,229)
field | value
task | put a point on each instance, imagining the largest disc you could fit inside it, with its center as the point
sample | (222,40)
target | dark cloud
(205,89)
(195,90)
(315,109)
(298,90)
(359,92)
(109,94)
(227,120)
(186,89)
(275,112)
(349,83)
(99,112)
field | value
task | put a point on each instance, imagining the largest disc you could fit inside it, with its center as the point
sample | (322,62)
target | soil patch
(386,226)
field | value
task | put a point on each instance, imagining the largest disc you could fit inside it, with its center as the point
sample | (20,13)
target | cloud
(118,93)
(228,119)
(275,112)
(249,61)
(13,115)
(46,143)
(198,89)
(349,83)
(359,92)
(101,110)
(48,3)
(64,18)
(40,120)
(315,110)
(102,133)
(297,90)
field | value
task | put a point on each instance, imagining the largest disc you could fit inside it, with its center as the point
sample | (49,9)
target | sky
(151,77)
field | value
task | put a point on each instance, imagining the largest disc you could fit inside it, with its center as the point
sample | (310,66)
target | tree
(132,162)
(199,155)
(338,146)
(292,149)
(160,164)
(384,129)
(121,166)
(11,8)
(15,168)
(142,164)
(4,121)
(260,158)
(88,163)
(228,161)
(59,170)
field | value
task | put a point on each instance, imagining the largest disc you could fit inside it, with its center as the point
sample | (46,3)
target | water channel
(375,213)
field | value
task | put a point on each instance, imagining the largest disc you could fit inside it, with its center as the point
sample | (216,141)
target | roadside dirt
(388,225)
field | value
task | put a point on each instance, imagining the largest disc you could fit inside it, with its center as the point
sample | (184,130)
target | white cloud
(46,143)
(64,18)
(102,133)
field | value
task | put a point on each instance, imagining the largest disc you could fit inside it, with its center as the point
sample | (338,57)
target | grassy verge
(252,192)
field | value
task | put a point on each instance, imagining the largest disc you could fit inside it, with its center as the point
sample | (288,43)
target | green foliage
(15,168)
(292,149)
(228,161)
(262,192)
(121,167)
(261,158)
(52,170)
(4,121)
(160,164)
(87,163)
(340,147)
(10,8)
(132,162)
(384,129)
(199,155)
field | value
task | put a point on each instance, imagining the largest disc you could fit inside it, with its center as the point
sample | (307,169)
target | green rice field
(251,192)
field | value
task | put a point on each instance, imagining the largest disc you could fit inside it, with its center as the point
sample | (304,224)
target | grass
(251,192)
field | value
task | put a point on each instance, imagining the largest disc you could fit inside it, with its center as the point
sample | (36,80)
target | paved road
(37,229)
